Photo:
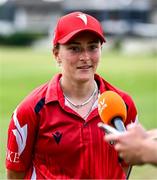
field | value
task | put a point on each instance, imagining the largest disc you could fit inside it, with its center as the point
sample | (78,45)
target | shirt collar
(54,91)
(100,82)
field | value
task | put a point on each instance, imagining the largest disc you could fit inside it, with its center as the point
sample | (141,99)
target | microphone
(112,110)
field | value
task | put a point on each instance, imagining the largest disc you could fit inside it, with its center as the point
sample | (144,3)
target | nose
(84,56)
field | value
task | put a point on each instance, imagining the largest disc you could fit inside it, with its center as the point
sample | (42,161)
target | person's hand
(129,143)
(152,134)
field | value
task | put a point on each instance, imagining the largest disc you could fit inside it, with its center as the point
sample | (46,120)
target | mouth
(84,67)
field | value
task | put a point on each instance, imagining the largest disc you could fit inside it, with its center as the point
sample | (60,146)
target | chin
(84,78)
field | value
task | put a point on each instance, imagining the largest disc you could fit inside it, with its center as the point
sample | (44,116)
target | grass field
(22,69)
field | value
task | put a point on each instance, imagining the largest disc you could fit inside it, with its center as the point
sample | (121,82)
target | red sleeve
(131,111)
(21,135)
(131,117)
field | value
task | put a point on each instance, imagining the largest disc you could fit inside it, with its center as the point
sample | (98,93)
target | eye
(75,49)
(93,47)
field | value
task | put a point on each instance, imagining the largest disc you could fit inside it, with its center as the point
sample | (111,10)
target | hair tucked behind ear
(56,46)
(55,50)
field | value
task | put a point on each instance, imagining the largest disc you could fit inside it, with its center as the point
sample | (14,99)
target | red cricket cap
(71,24)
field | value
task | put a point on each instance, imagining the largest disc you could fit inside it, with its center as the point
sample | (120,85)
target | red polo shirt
(47,139)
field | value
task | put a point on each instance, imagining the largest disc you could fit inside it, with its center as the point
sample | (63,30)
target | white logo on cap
(83,17)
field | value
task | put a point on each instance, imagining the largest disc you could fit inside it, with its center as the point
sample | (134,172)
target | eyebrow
(78,43)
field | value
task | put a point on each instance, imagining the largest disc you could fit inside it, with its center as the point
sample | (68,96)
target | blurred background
(126,22)
(129,58)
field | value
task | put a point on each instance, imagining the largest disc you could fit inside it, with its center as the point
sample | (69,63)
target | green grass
(23,69)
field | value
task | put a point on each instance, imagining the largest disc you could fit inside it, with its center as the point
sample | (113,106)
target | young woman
(53,133)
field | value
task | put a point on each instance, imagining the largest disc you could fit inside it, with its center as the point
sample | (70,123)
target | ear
(55,51)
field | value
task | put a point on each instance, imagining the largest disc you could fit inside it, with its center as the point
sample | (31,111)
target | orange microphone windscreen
(110,106)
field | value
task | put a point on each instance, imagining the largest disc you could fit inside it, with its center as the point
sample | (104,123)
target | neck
(78,92)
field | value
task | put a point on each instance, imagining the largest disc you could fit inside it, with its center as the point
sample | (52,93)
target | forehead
(87,37)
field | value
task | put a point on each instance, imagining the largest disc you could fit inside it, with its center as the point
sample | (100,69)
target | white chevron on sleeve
(20,134)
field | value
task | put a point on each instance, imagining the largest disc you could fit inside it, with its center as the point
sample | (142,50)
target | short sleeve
(22,132)
(131,111)
(131,118)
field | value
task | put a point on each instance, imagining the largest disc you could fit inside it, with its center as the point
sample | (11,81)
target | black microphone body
(117,122)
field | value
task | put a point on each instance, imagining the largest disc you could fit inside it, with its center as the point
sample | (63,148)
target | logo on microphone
(102,105)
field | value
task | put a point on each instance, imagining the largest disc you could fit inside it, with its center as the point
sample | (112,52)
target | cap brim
(74,33)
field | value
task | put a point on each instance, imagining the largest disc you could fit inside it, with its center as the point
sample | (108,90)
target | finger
(111,137)
(131,125)
(121,155)
(117,147)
